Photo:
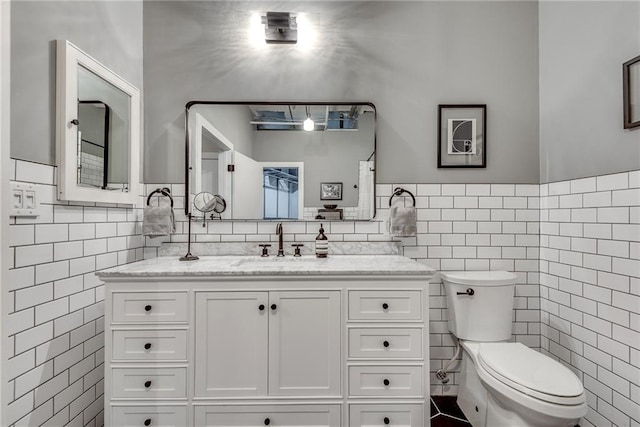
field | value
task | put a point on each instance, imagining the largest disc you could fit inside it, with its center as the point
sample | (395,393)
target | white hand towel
(158,221)
(402,221)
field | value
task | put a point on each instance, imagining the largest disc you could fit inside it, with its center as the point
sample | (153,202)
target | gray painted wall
(405,57)
(582,48)
(111,32)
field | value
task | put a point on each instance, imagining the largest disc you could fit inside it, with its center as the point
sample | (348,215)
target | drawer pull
(267,421)
(386,344)
(386,420)
(273,307)
(147,422)
(147,307)
(261,307)
(386,381)
(147,346)
(385,306)
(147,384)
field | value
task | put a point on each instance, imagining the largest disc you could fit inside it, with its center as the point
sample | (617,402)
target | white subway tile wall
(56,323)
(460,227)
(574,245)
(590,289)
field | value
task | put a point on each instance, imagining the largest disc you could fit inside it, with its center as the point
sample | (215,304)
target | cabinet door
(304,343)
(231,343)
(261,415)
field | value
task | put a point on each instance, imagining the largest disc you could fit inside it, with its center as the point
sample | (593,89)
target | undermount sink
(277,262)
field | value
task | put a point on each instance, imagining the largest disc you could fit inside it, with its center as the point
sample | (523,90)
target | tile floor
(446,413)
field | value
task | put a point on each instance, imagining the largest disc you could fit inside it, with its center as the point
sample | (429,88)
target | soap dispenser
(322,244)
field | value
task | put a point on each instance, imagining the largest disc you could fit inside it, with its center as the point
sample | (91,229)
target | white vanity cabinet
(267,343)
(237,348)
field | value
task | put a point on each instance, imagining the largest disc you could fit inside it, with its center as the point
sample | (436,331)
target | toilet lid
(529,371)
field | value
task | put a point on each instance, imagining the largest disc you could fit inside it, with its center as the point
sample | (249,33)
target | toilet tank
(480,304)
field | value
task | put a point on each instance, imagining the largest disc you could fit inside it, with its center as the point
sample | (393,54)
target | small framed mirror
(97,130)
(283,160)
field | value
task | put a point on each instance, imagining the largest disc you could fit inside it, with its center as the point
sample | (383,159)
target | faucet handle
(297,251)
(265,251)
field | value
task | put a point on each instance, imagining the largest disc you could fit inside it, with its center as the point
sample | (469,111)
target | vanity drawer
(386,381)
(149,344)
(387,415)
(385,343)
(154,416)
(149,307)
(277,415)
(149,383)
(385,305)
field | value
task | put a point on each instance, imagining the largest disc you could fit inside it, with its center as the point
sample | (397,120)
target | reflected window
(280,193)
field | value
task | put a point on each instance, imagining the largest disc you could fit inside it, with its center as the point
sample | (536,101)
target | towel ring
(398,192)
(164,191)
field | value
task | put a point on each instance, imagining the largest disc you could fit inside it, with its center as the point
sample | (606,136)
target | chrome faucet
(279,234)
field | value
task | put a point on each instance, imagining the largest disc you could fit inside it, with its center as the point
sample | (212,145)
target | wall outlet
(24,199)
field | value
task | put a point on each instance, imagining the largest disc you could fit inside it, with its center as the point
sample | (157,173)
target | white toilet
(505,383)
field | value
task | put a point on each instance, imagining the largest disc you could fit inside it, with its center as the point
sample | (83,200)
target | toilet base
(487,408)
(472,396)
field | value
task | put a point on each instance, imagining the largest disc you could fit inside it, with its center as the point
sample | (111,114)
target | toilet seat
(530,372)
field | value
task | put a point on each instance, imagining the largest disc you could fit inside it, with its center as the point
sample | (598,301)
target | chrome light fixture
(280,27)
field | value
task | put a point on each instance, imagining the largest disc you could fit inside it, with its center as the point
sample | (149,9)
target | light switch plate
(24,199)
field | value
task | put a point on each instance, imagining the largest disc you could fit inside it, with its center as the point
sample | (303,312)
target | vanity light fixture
(308,124)
(280,27)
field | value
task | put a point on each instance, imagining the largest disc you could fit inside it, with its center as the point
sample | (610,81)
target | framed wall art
(331,191)
(631,93)
(462,136)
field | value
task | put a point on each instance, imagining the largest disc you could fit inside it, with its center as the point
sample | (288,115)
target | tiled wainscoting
(56,315)
(460,227)
(590,289)
(575,246)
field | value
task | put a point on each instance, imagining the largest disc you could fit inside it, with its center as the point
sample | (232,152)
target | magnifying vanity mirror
(283,160)
(211,204)
(98,130)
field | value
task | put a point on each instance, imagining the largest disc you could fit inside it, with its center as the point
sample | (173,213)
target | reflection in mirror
(103,117)
(283,191)
(259,158)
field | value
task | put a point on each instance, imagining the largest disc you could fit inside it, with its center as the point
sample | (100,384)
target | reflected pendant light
(308,124)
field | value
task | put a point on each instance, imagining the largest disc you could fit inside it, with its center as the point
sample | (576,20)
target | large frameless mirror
(283,161)
(98,130)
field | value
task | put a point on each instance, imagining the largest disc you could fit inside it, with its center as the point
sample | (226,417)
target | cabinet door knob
(386,343)
(273,306)
(386,381)
(386,420)
(267,421)
(147,346)
(147,308)
(261,307)
(385,306)
(147,384)
(147,422)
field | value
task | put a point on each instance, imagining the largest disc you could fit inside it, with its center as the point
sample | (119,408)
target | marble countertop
(343,265)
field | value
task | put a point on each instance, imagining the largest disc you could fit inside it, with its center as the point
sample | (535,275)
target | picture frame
(331,191)
(631,93)
(462,136)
